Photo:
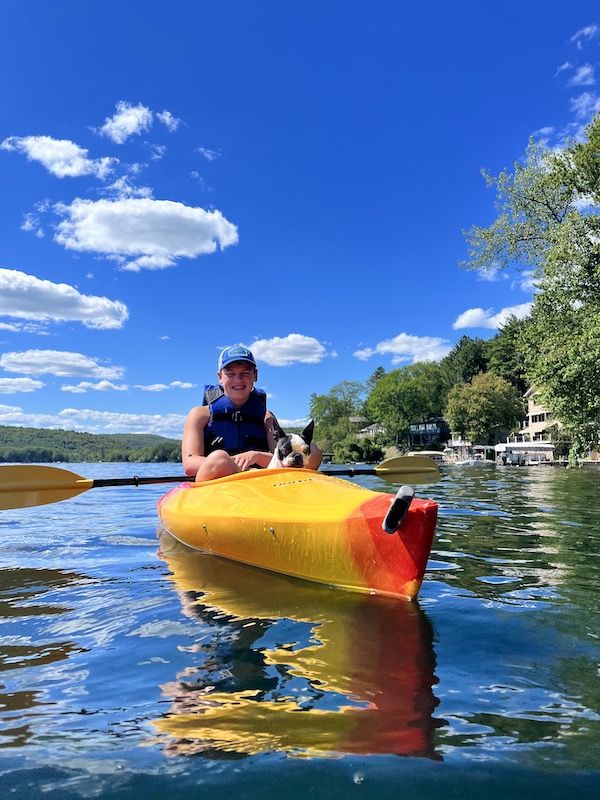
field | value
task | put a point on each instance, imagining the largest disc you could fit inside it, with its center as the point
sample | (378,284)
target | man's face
(237,380)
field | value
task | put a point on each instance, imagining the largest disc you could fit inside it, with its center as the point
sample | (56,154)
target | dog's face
(293,450)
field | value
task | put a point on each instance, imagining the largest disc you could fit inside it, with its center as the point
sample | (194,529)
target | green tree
(532,204)
(566,366)
(372,381)
(506,353)
(333,413)
(485,409)
(585,156)
(400,397)
(466,359)
(548,223)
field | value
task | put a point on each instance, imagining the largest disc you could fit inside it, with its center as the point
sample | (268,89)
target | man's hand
(246,460)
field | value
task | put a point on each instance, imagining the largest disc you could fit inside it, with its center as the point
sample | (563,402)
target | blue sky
(176,177)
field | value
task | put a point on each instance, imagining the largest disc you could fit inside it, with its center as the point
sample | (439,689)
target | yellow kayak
(305,524)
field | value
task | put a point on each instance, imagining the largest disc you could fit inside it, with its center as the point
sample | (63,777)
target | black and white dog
(292,450)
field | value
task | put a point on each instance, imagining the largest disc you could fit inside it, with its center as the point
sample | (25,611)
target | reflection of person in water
(231,661)
(366,666)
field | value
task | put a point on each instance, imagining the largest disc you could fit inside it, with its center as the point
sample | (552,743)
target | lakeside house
(532,444)
(430,431)
(460,450)
(369,430)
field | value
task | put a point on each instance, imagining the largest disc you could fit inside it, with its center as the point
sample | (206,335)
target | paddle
(400,465)
(25,485)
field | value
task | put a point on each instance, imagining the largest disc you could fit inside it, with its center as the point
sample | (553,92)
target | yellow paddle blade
(408,465)
(25,485)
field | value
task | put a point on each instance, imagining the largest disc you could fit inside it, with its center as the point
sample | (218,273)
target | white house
(532,444)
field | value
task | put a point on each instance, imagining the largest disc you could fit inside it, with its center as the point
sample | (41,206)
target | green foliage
(372,381)
(548,222)
(353,450)
(30,445)
(466,359)
(566,367)
(561,440)
(532,203)
(585,157)
(416,391)
(333,413)
(506,353)
(485,409)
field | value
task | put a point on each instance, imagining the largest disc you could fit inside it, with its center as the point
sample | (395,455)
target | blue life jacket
(231,429)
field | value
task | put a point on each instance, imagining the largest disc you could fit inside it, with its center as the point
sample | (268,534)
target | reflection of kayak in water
(305,524)
(289,667)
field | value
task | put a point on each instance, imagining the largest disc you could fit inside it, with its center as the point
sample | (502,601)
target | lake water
(133,668)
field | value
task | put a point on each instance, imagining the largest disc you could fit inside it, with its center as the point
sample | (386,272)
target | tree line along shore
(34,445)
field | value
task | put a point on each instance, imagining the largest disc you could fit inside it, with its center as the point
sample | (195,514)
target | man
(235,430)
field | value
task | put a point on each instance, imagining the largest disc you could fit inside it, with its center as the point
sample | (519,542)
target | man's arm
(192,443)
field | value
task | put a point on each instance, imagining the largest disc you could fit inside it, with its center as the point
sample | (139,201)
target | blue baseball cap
(237,352)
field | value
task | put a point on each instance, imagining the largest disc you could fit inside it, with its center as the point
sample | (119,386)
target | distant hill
(45,445)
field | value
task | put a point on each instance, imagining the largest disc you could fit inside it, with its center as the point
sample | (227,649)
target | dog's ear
(278,431)
(307,433)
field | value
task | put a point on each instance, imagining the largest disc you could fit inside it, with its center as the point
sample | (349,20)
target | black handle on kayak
(397,512)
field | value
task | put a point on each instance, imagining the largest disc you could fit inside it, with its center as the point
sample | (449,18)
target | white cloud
(25,327)
(14,415)
(405,347)
(26,297)
(544,133)
(293,423)
(170,425)
(480,318)
(527,281)
(585,106)
(58,362)
(209,155)
(152,234)
(157,151)
(31,224)
(129,121)
(583,77)
(161,387)
(563,67)
(60,157)
(171,122)
(585,35)
(152,387)
(123,187)
(492,275)
(293,349)
(101,386)
(200,181)
(15,385)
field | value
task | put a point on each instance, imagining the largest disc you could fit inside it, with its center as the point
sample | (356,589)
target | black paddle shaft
(135,481)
